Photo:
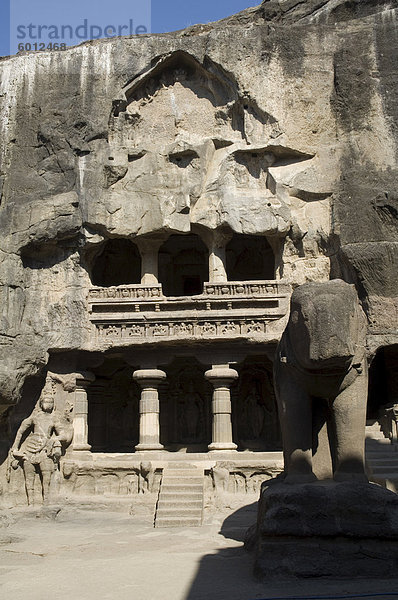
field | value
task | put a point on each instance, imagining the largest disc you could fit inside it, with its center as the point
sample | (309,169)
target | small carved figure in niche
(239,481)
(112,331)
(185,329)
(209,328)
(42,449)
(135,330)
(147,474)
(191,416)
(254,327)
(229,328)
(159,330)
(255,415)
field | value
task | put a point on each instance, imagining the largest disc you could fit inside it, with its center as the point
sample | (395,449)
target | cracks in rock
(42,555)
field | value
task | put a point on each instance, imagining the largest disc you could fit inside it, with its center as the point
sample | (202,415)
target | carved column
(149,250)
(80,412)
(149,380)
(216,243)
(222,378)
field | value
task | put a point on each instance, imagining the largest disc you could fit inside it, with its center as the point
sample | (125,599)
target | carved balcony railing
(126,293)
(140,313)
(244,288)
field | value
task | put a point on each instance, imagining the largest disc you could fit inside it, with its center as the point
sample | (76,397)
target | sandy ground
(105,555)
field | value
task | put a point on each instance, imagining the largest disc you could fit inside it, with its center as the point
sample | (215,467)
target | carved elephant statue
(321,381)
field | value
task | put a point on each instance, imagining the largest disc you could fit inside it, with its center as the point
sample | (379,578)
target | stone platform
(117,474)
(326,529)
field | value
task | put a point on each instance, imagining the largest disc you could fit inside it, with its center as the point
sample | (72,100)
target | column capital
(149,377)
(221,376)
(215,238)
(84,378)
(145,244)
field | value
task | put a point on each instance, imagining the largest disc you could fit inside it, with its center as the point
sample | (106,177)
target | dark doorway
(383,381)
(255,414)
(118,264)
(183,265)
(113,408)
(250,258)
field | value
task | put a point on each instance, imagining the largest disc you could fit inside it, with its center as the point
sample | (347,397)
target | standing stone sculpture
(41,450)
(321,382)
(314,526)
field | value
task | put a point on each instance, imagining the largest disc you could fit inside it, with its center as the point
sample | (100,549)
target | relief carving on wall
(40,442)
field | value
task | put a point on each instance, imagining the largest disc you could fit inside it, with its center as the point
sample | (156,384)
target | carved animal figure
(146,478)
(321,377)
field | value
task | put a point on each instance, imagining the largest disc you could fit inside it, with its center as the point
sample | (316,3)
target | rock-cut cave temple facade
(161,197)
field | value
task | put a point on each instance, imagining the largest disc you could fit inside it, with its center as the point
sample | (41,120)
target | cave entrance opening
(119,263)
(183,265)
(250,258)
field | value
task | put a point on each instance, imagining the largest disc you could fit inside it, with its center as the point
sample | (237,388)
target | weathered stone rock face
(278,122)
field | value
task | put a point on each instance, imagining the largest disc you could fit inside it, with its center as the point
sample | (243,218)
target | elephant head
(326,328)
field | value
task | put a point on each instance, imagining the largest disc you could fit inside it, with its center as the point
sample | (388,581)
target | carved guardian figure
(321,383)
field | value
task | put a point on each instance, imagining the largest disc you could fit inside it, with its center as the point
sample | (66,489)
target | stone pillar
(216,243)
(149,250)
(80,412)
(149,380)
(221,377)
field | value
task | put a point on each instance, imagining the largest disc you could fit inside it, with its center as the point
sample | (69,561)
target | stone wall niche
(255,413)
(185,409)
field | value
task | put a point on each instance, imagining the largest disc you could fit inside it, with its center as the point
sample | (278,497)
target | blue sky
(167,15)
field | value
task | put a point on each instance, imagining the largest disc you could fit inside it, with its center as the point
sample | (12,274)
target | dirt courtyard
(106,555)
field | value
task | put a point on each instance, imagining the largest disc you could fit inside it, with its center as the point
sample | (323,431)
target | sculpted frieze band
(225,328)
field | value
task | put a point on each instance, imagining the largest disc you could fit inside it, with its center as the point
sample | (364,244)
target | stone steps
(177,511)
(193,501)
(180,487)
(179,522)
(180,502)
(187,479)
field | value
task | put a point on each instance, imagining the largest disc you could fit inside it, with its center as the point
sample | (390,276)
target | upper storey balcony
(186,305)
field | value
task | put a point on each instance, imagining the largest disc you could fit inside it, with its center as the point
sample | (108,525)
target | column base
(146,447)
(81,448)
(223,446)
